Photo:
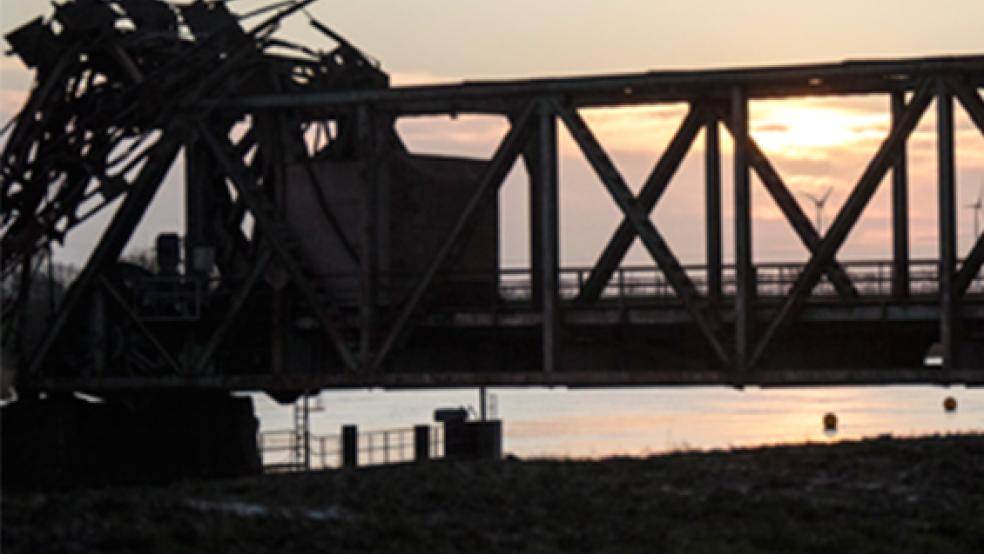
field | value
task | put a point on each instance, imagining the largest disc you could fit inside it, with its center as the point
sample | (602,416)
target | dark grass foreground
(885,495)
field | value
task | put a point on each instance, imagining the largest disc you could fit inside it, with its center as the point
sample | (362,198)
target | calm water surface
(599,422)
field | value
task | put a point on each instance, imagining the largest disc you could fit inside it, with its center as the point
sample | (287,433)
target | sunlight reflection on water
(603,422)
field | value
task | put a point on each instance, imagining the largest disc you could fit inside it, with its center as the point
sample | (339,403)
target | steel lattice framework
(243,122)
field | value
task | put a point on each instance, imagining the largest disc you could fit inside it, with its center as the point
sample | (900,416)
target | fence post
(421,443)
(350,446)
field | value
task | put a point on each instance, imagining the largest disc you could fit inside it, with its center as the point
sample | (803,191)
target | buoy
(950,404)
(830,422)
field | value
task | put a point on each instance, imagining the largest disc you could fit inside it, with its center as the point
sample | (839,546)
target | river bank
(877,495)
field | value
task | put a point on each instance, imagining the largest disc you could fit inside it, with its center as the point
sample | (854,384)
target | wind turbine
(977,206)
(819,202)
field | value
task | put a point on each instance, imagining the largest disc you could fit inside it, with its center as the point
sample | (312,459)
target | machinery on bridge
(319,252)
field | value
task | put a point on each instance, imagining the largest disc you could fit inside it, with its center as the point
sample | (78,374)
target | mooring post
(350,446)
(421,443)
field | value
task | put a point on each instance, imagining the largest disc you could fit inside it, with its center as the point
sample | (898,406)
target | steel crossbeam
(653,188)
(847,217)
(638,218)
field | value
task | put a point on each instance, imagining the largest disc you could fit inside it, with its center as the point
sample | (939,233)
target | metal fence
(389,446)
(286,450)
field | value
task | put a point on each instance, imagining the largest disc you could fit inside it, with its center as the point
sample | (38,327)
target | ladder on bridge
(300,452)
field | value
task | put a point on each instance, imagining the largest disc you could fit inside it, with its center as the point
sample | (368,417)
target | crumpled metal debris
(110,74)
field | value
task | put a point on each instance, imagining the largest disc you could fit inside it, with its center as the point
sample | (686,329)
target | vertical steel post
(350,446)
(744,278)
(273,140)
(900,209)
(369,153)
(712,173)
(195,212)
(531,157)
(549,241)
(307,432)
(947,222)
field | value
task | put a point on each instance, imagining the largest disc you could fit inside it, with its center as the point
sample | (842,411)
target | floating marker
(950,404)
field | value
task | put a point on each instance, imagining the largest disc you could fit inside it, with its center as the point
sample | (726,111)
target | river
(540,422)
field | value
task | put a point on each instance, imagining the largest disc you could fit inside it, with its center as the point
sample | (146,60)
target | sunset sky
(815,143)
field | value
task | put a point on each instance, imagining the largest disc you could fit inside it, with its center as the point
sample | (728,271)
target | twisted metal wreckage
(315,242)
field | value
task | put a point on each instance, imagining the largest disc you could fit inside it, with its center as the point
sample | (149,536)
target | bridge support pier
(63,441)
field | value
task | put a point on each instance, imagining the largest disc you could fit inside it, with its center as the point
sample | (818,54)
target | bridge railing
(647,283)
(773,280)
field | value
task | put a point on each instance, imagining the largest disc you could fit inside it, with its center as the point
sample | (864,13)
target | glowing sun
(789,127)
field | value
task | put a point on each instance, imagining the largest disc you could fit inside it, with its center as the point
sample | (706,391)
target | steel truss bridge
(387,274)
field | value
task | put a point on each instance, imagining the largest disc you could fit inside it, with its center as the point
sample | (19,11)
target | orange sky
(815,143)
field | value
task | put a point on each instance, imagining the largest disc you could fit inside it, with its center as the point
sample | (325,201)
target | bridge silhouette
(319,252)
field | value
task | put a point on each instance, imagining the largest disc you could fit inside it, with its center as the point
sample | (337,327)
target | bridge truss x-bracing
(254,122)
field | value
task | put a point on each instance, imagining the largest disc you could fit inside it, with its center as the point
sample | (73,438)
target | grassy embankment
(883,495)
